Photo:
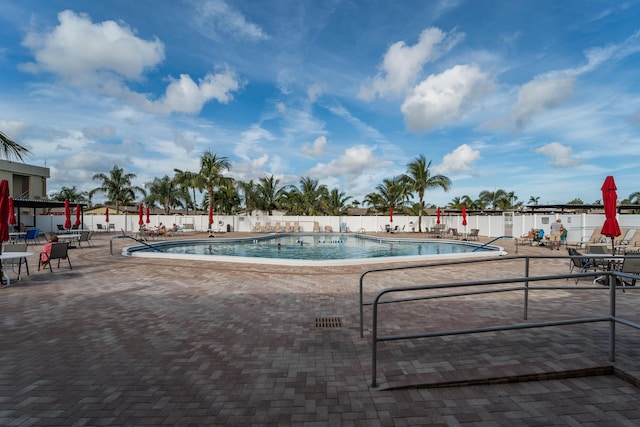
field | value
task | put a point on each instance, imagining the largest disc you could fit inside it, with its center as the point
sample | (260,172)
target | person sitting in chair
(46,249)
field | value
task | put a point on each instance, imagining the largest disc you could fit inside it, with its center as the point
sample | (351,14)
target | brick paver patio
(130,341)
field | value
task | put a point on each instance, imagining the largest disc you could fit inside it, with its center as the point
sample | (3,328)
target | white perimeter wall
(579,226)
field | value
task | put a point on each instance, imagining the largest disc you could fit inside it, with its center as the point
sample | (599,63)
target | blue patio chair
(31,236)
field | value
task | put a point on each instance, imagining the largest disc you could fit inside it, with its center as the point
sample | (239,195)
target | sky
(541,98)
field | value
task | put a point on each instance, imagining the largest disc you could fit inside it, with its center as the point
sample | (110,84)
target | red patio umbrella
(438,219)
(140,215)
(610,228)
(67,214)
(391,214)
(106,215)
(148,219)
(12,214)
(210,216)
(4,211)
(464,215)
(77,214)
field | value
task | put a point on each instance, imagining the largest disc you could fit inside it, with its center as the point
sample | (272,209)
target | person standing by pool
(556,231)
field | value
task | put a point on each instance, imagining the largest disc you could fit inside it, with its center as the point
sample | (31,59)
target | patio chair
(99,227)
(316,227)
(296,227)
(630,265)
(257,228)
(85,236)
(31,236)
(58,251)
(583,264)
(328,229)
(60,227)
(473,235)
(111,227)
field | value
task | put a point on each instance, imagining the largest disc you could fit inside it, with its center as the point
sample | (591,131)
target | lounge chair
(296,227)
(328,229)
(455,234)
(58,251)
(596,237)
(257,227)
(473,235)
(267,227)
(287,227)
(316,227)
(278,227)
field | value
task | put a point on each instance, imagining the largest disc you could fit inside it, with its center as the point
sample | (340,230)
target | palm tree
(71,194)
(11,149)
(187,180)
(268,193)
(337,203)
(634,198)
(495,199)
(164,191)
(419,179)
(210,175)
(394,192)
(117,185)
(534,200)
(375,202)
(250,195)
(313,196)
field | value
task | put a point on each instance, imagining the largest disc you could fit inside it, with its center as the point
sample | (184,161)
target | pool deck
(132,341)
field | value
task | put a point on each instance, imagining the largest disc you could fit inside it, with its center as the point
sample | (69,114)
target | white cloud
(402,64)
(251,141)
(98,133)
(14,129)
(561,155)
(313,92)
(355,161)
(539,95)
(102,56)
(82,52)
(215,16)
(186,96)
(315,149)
(444,97)
(460,159)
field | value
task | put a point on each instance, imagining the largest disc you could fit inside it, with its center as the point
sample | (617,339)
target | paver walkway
(130,341)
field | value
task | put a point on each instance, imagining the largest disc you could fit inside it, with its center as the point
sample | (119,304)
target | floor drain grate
(328,322)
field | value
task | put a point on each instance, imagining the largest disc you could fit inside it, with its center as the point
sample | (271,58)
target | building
(25,181)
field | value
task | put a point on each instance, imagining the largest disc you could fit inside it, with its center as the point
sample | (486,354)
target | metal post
(526,288)
(612,313)
(374,343)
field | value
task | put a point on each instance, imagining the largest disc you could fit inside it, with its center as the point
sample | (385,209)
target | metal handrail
(611,317)
(491,241)
(122,236)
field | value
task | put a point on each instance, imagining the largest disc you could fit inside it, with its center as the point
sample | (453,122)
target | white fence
(579,226)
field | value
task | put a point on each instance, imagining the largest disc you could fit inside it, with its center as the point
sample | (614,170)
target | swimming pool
(313,249)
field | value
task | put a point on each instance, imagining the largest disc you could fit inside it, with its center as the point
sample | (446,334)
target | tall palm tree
(534,200)
(375,202)
(11,149)
(419,179)
(210,176)
(495,199)
(117,185)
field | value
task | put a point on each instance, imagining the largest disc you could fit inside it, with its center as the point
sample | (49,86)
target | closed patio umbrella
(148,219)
(464,215)
(77,214)
(210,216)
(140,216)
(610,228)
(67,214)
(106,215)
(12,214)
(4,212)
(438,218)
(391,214)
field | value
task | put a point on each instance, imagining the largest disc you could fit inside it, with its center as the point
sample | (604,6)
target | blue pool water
(315,247)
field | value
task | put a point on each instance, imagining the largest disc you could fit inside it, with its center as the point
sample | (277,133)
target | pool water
(317,247)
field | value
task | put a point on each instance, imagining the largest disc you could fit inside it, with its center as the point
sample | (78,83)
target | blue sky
(536,97)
